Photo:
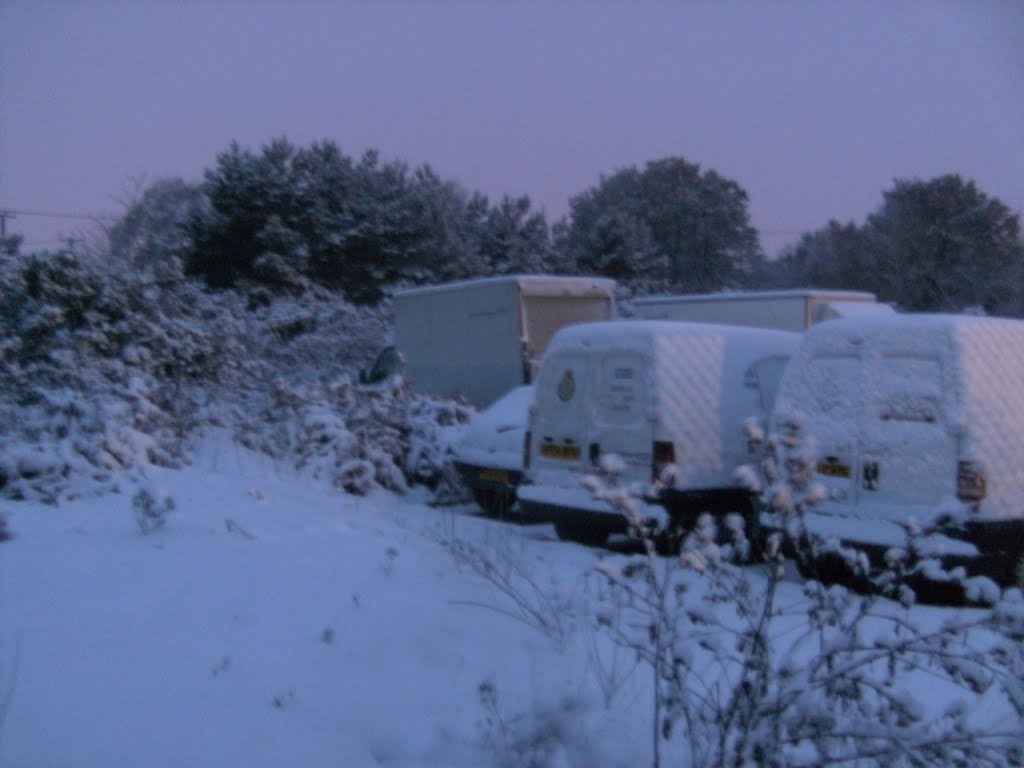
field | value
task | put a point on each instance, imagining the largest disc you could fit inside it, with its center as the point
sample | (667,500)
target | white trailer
(792,310)
(481,338)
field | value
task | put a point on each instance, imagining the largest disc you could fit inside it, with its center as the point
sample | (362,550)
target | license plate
(493,475)
(833,469)
(564,452)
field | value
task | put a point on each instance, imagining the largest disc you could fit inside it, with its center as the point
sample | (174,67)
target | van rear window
(907,389)
(833,382)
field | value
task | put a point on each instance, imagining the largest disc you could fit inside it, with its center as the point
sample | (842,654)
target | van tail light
(526,449)
(662,454)
(971,483)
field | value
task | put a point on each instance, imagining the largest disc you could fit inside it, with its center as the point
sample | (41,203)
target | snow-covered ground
(343,632)
(276,621)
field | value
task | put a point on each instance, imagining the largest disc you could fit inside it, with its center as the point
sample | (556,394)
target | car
(489,458)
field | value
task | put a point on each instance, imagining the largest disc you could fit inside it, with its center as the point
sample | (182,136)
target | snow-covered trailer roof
(624,332)
(532,285)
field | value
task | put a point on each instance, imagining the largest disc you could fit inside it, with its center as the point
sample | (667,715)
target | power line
(8,212)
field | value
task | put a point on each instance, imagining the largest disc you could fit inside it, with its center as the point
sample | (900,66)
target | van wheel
(495,503)
(669,540)
(581,534)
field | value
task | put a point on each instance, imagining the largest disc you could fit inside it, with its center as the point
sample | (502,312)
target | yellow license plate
(493,475)
(566,452)
(834,469)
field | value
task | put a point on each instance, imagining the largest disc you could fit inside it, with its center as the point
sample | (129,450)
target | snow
(274,620)
(224,553)
(495,436)
(791,293)
(836,309)
(271,622)
(536,285)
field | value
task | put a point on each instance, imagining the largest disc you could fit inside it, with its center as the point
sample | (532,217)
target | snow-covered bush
(103,372)
(846,681)
(535,739)
(359,438)
(151,510)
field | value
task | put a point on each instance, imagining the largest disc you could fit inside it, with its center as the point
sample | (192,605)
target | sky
(813,108)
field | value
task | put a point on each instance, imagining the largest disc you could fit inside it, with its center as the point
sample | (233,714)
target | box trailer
(481,338)
(791,310)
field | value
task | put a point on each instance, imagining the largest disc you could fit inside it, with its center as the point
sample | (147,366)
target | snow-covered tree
(943,244)
(514,239)
(153,230)
(935,246)
(670,223)
(286,216)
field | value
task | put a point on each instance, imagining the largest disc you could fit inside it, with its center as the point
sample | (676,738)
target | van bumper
(488,478)
(987,548)
(1000,545)
(577,507)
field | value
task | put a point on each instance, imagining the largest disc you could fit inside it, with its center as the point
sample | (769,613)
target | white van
(915,416)
(651,393)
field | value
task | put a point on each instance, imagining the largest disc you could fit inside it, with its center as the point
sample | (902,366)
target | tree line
(290,218)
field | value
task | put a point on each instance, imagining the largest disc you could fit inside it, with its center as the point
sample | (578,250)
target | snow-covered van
(641,395)
(915,416)
(481,338)
(789,310)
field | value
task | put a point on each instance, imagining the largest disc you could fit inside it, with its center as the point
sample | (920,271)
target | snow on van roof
(830,295)
(619,331)
(570,283)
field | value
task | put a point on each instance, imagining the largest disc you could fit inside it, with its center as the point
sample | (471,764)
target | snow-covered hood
(495,437)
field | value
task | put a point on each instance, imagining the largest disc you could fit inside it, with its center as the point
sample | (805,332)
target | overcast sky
(813,107)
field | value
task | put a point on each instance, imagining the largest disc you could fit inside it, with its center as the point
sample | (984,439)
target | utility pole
(4,216)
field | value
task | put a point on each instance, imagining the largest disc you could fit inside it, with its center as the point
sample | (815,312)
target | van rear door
(833,386)
(908,461)
(622,422)
(559,423)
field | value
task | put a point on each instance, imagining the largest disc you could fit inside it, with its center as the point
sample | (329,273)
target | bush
(150,511)
(750,682)
(105,372)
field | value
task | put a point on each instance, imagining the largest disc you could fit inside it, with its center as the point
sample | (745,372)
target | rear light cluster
(663,454)
(526,450)
(971,483)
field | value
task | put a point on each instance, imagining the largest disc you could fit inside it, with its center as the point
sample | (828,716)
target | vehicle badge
(566,387)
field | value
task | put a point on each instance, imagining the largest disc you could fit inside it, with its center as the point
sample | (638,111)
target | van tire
(581,533)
